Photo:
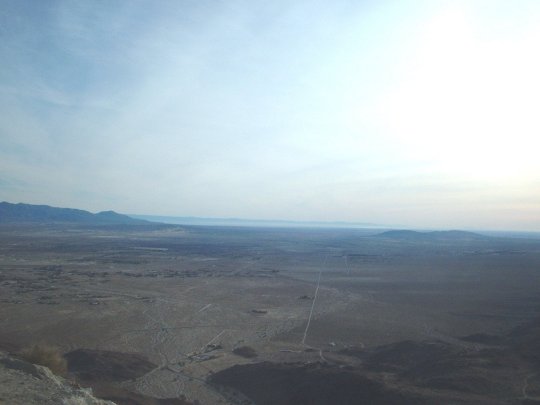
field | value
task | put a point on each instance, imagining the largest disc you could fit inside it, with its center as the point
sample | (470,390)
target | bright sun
(469,104)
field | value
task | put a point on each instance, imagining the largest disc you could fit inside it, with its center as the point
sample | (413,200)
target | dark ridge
(429,236)
(484,338)
(468,369)
(102,365)
(101,370)
(407,354)
(471,370)
(525,339)
(29,213)
(315,384)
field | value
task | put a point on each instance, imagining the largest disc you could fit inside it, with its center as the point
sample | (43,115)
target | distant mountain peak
(406,234)
(30,213)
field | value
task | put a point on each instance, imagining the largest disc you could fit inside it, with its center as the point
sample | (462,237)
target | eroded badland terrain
(217,315)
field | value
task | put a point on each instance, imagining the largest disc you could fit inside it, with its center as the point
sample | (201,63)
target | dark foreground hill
(476,369)
(29,213)
(431,236)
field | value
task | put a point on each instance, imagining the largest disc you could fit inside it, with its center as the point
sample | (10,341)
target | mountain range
(29,213)
(404,234)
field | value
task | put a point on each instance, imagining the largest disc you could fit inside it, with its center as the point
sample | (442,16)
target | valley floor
(237,315)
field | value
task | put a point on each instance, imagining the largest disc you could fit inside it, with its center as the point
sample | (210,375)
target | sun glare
(468,104)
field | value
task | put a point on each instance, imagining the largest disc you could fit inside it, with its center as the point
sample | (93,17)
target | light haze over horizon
(419,113)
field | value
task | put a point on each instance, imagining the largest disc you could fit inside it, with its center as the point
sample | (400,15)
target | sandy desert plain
(232,315)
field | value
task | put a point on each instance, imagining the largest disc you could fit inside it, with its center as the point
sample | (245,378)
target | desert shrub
(245,351)
(47,356)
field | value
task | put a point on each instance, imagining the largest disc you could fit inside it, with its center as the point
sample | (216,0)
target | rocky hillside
(25,383)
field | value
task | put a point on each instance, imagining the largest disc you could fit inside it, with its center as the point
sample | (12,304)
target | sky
(411,113)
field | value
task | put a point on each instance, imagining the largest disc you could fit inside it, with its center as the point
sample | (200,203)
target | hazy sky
(418,113)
